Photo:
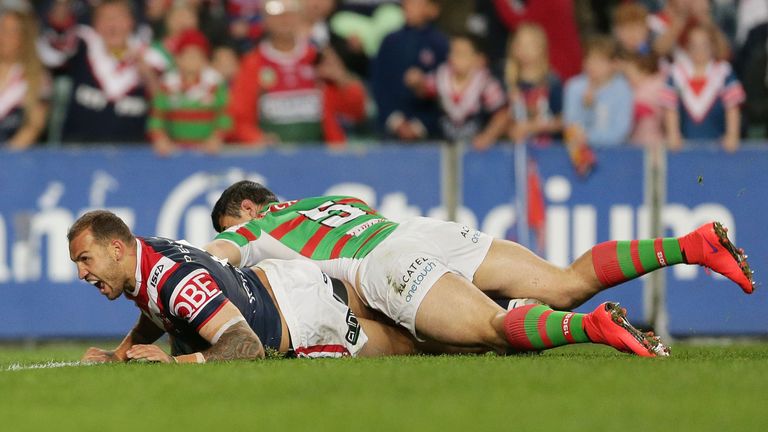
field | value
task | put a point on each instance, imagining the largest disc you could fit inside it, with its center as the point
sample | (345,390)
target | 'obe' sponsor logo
(194,294)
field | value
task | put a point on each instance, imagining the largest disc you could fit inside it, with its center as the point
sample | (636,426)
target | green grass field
(700,388)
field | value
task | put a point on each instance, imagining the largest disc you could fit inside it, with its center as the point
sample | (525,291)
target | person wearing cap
(190,109)
(289,92)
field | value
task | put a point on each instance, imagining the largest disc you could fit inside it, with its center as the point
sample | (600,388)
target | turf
(700,388)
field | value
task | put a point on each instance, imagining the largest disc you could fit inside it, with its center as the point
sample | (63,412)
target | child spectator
(642,72)
(226,62)
(556,17)
(24,84)
(702,95)
(287,92)
(401,113)
(535,91)
(472,100)
(630,27)
(180,18)
(598,103)
(108,101)
(189,111)
(671,25)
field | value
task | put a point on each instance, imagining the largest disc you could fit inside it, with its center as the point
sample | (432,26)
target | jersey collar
(139,281)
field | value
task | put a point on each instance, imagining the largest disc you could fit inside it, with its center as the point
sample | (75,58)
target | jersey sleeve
(732,93)
(244,237)
(193,295)
(668,96)
(493,97)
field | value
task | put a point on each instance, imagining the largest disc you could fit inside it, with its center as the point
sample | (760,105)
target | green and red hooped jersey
(320,228)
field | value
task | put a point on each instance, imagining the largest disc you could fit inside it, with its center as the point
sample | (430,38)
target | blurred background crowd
(205,74)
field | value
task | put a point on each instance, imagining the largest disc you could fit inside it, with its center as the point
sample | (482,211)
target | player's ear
(116,249)
(249,207)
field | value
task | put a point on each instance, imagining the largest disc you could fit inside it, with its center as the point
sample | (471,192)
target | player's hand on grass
(148,352)
(98,355)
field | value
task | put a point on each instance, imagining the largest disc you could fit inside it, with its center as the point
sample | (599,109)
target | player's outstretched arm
(228,333)
(144,332)
(225,250)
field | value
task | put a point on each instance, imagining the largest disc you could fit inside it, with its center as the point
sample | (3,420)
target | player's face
(97,265)
(228,221)
(248,210)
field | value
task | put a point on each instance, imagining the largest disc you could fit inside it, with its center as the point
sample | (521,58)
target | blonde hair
(34,72)
(512,68)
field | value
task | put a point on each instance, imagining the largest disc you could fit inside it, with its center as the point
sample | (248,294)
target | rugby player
(213,311)
(424,274)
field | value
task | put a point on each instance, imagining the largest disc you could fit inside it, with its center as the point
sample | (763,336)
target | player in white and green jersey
(322,229)
(430,276)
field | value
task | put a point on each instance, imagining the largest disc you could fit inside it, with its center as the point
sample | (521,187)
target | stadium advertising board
(45,190)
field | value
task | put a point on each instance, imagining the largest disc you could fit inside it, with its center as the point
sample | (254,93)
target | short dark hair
(229,202)
(475,42)
(104,226)
(602,45)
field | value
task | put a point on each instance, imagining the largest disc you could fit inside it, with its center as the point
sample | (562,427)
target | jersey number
(333,215)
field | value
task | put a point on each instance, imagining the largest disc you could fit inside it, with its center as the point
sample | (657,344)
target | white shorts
(398,273)
(320,325)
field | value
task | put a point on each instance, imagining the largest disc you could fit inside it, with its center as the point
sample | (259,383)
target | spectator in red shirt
(286,91)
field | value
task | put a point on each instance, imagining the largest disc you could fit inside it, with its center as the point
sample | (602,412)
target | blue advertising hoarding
(45,190)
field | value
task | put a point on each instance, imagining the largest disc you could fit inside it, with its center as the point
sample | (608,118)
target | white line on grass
(46,365)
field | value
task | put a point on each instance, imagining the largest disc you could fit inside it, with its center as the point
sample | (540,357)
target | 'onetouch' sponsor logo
(415,275)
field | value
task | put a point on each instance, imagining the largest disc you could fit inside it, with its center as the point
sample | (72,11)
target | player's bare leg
(385,340)
(456,313)
(510,270)
(391,335)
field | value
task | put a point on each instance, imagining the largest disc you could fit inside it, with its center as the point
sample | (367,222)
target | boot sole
(651,343)
(741,259)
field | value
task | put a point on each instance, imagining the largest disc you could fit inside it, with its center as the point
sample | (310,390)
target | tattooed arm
(237,342)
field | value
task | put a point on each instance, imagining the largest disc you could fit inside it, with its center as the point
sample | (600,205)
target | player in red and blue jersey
(213,311)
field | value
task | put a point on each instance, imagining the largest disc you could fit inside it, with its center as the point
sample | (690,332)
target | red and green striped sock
(537,327)
(619,261)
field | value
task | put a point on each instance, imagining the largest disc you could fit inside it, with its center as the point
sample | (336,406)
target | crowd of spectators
(204,74)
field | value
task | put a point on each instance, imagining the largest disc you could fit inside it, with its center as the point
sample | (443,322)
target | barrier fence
(45,190)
